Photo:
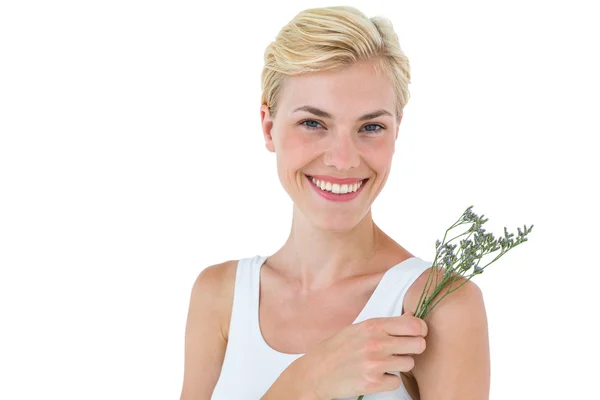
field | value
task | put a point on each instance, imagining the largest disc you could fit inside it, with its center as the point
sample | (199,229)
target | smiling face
(334,125)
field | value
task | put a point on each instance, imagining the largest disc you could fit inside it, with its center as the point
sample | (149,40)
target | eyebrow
(324,114)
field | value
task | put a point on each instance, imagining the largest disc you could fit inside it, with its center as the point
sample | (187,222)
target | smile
(335,191)
(336,187)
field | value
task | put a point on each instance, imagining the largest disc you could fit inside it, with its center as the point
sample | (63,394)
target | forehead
(344,92)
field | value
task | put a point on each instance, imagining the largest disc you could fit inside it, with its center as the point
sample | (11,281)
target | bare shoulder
(206,329)
(468,291)
(457,335)
(215,285)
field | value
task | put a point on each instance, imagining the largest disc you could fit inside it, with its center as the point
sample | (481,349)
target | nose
(341,152)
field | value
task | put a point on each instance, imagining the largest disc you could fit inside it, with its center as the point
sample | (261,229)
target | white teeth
(337,188)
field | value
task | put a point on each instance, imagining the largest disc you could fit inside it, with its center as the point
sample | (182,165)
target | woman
(336,300)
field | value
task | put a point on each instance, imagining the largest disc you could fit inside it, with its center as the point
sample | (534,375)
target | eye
(310,121)
(376,131)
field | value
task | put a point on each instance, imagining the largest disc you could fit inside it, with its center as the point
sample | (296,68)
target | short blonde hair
(320,39)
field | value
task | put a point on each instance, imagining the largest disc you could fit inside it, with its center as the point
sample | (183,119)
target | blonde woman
(330,314)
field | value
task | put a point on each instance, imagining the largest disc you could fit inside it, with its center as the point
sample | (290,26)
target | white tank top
(251,366)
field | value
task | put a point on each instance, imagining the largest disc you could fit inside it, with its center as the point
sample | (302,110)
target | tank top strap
(400,279)
(243,302)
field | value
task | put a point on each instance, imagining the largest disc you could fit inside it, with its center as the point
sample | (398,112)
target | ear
(267,126)
(398,126)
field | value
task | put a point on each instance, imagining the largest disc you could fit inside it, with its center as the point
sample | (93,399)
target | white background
(131,157)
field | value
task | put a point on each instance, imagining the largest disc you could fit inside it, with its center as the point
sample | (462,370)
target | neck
(317,258)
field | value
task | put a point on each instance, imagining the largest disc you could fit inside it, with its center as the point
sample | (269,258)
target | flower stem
(448,266)
(448,292)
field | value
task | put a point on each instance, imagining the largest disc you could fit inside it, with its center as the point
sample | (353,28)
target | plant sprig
(465,262)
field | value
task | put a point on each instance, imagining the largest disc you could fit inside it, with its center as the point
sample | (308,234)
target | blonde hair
(320,39)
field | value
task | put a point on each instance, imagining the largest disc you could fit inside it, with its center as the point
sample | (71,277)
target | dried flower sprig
(465,263)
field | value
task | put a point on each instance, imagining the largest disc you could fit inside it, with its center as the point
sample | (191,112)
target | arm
(205,342)
(290,385)
(456,363)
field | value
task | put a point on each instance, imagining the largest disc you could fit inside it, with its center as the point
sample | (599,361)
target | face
(323,131)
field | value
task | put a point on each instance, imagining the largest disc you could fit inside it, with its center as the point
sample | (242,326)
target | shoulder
(217,273)
(215,285)
(467,293)
(205,339)
(457,335)
(464,301)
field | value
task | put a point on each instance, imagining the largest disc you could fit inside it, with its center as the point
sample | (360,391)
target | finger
(404,325)
(404,345)
(399,363)
(390,382)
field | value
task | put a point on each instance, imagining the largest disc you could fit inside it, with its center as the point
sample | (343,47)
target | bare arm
(205,342)
(456,363)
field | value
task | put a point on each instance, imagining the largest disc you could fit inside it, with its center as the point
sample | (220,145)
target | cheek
(295,151)
(379,156)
